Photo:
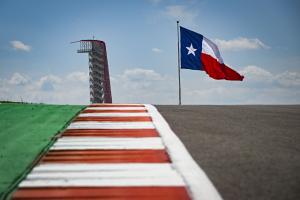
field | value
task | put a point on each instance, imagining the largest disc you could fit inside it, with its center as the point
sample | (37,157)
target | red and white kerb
(117,151)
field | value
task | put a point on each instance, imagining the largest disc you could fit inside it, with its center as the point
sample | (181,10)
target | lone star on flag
(191,50)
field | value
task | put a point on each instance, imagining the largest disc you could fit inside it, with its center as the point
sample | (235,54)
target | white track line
(114,115)
(111,125)
(107,143)
(52,175)
(200,187)
(115,108)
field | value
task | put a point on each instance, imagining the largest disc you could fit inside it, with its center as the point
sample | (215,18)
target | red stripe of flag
(219,71)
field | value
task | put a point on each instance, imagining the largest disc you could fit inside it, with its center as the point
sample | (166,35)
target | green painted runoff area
(25,130)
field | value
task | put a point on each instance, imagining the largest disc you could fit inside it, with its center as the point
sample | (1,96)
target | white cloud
(18,79)
(157,50)
(253,72)
(241,43)
(18,45)
(141,74)
(259,87)
(78,76)
(144,86)
(182,13)
(48,82)
(139,85)
(286,79)
(68,89)
(289,79)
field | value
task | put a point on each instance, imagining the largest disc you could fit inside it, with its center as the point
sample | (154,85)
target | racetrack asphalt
(248,152)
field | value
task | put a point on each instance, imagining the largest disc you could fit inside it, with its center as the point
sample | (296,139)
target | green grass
(25,130)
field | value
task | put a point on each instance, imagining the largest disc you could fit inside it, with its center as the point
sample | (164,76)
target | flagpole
(178,62)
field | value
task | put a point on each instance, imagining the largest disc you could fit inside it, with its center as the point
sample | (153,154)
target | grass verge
(26,131)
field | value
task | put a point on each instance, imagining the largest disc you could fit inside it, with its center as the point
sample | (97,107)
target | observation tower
(100,91)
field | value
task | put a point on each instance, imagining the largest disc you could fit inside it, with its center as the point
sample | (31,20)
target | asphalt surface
(248,152)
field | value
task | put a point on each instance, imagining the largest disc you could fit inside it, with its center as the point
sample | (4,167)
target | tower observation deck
(100,91)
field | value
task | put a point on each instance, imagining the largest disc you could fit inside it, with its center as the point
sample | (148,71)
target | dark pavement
(248,152)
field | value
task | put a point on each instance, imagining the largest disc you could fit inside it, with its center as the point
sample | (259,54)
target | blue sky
(258,38)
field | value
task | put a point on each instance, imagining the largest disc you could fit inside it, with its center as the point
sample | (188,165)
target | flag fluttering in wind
(199,53)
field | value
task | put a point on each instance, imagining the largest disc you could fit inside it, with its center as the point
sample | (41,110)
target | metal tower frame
(100,91)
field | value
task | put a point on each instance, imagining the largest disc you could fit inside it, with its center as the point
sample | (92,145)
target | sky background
(258,38)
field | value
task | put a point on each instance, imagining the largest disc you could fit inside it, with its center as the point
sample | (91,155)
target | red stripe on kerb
(112,132)
(115,193)
(106,156)
(114,105)
(113,111)
(115,119)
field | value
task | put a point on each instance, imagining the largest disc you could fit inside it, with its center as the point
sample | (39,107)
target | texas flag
(199,53)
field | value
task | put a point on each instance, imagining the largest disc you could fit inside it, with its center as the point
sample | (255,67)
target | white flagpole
(178,54)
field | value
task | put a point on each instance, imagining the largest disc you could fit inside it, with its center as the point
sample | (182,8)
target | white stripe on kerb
(51,175)
(111,125)
(107,143)
(115,108)
(105,182)
(102,174)
(100,167)
(114,115)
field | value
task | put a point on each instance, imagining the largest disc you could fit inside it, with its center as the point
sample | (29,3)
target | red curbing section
(106,156)
(114,119)
(112,193)
(111,132)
